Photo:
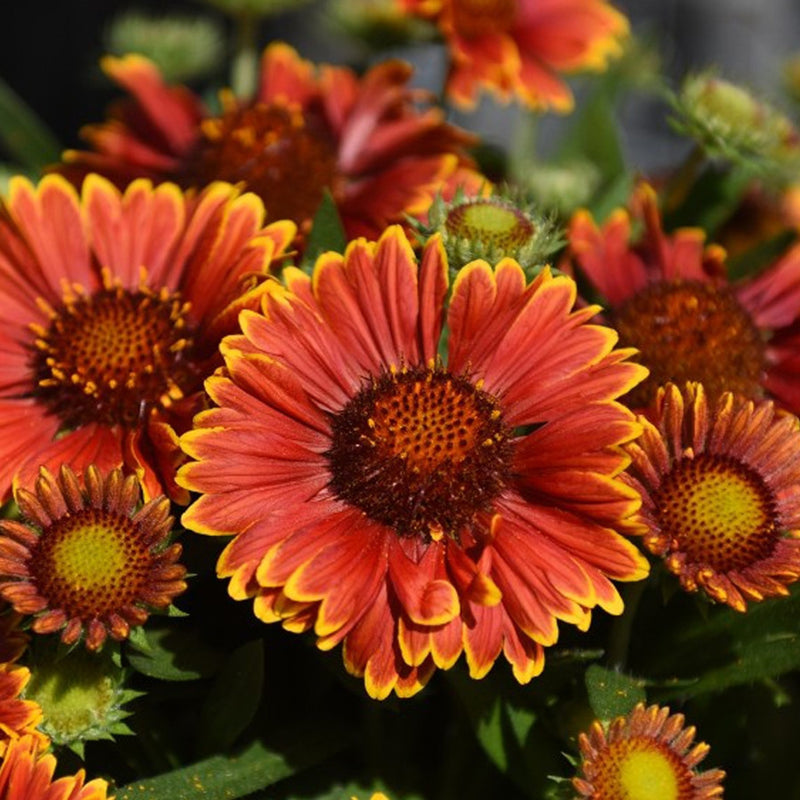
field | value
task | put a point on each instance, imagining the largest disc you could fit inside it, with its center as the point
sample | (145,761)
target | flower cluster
(300,340)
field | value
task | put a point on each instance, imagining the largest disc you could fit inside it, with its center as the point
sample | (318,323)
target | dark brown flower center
(111,356)
(286,157)
(641,768)
(691,331)
(91,563)
(475,18)
(421,451)
(719,512)
(490,223)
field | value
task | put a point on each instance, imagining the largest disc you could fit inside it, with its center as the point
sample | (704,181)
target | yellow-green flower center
(641,768)
(691,331)
(490,223)
(421,451)
(90,563)
(718,512)
(111,356)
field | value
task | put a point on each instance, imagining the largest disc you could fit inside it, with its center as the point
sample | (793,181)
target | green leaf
(223,777)
(327,232)
(611,693)
(25,136)
(234,698)
(731,649)
(174,653)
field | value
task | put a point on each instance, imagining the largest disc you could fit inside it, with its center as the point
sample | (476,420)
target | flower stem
(620,636)
(244,64)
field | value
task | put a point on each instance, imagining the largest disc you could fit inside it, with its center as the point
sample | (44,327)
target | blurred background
(50,57)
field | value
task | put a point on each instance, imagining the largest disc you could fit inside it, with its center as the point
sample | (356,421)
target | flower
(26,773)
(520,47)
(111,309)
(87,560)
(646,754)
(306,131)
(720,490)
(670,299)
(471,502)
(17,716)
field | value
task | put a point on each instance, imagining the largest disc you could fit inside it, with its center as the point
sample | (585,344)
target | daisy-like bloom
(521,48)
(720,484)
(306,131)
(647,755)
(87,559)
(668,296)
(26,773)
(471,503)
(17,716)
(112,306)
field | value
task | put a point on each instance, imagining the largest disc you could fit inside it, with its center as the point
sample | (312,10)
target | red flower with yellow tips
(26,773)
(648,753)
(18,717)
(471,502)
(112,306)
(720,486)
(86,560)
(521,48)
(307,130)
(668,296)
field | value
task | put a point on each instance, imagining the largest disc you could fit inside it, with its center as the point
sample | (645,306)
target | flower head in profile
(720,486)
(18,717)
(668,296)
(646,754)
(87,560)
(306,131)
(112,306)
(26,773)
(522,48)
(472,501)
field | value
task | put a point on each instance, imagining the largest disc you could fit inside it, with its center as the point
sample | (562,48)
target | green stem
(244,64)
(620,636)
(680,184)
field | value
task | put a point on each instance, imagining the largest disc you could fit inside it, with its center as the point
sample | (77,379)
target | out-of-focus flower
(26,773)
(668,296)
(563,187)
(255,8)
(720,490)
(182,46)
(17,716)
(728,121)
(81,694)
(305,132)
(491,227)
(111,309)
(376,24)
(521,48)
(88,560)
(647,754)
(472,502)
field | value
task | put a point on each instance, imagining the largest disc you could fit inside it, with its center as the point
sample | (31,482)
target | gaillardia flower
(720,486)
(17,716)
(668,296)
(471,502)
(520,48)
(646,755)
(88,559)
(306,131)
(26,773)
(112,306)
